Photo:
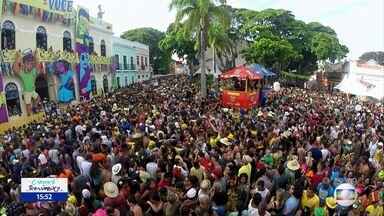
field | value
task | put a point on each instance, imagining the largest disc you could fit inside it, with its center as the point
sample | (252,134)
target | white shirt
(372,149)
(151,168)
(54,155)
(84,166)
(42,159)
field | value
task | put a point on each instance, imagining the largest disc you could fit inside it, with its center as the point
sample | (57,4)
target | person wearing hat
(27,70)
(113,198)
(331,205)
(292,167)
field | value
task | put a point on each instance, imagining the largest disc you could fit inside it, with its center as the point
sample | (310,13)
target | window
(132,66)
(137,60)
(117,62)
(142,63)
(67,41)
(93,85)
(103,51)
(8,35)
(118,82)
(91,46)
(12,98)
(125,62)
(146,61)
(41,38)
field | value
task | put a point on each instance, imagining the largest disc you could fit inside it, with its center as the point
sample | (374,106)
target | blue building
(132,62)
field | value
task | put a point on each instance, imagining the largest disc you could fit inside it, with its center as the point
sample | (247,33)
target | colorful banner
(66,91)
(82,26)
(63,7)
(84,67)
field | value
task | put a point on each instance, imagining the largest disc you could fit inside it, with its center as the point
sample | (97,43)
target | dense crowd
(158,149)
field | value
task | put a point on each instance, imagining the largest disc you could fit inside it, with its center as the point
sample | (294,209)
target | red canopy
(241,72)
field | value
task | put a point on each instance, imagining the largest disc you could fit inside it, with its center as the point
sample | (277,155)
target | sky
(359,24)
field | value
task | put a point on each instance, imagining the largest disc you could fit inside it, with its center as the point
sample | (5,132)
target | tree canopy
(159,58)
(377,56)
(205,22)
(308,43)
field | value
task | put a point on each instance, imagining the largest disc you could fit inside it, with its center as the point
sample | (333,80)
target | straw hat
(111,190)
(205,184)
(293,165)
(331,202)
(116,168)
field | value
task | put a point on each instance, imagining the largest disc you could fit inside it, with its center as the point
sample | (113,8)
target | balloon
(345,195)
(276,86)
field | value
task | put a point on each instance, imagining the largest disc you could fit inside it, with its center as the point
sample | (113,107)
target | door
(105,84)
(42,87)
(12,99)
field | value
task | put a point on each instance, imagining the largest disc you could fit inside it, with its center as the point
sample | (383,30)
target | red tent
(242,73)
(245,98)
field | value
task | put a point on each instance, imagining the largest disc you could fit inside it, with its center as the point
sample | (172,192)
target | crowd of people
(161,150)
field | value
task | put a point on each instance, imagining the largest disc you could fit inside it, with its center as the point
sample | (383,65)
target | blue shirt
(290,206)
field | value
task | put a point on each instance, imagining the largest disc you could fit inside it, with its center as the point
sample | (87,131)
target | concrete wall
(26,32)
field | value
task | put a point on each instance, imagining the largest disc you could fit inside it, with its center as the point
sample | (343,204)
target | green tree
(271,52)
(198,17)
(377,56)
(159,58)
(327,47)
(181,44)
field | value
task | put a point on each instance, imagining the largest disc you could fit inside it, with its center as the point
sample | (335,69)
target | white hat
(86,194)
(225,141)
(380,144)
(191,193)
(116,168)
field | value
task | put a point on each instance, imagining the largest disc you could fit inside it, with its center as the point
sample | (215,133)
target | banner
(44,189)
(66,91)
(84,67)
(56,6)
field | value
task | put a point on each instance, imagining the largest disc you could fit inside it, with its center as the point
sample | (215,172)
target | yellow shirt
(374,211)
(310,203)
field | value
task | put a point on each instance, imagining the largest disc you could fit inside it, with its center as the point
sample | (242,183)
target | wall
(26,32)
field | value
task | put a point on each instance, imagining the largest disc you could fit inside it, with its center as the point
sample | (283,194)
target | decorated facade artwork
(84,68)
(27,67)
(66,91)
(45,10)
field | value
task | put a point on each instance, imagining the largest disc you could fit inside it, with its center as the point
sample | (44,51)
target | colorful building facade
(132,60)
(71,50)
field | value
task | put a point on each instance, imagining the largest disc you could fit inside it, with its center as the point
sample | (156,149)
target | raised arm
(17,63)
(38,66)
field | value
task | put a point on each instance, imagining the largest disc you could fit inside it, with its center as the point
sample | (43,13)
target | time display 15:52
(44,197)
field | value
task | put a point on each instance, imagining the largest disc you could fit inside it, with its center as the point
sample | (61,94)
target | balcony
(125,67)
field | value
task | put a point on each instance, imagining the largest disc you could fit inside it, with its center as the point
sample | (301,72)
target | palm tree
(199,17)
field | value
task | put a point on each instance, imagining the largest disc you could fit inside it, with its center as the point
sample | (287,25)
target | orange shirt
(67,173)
